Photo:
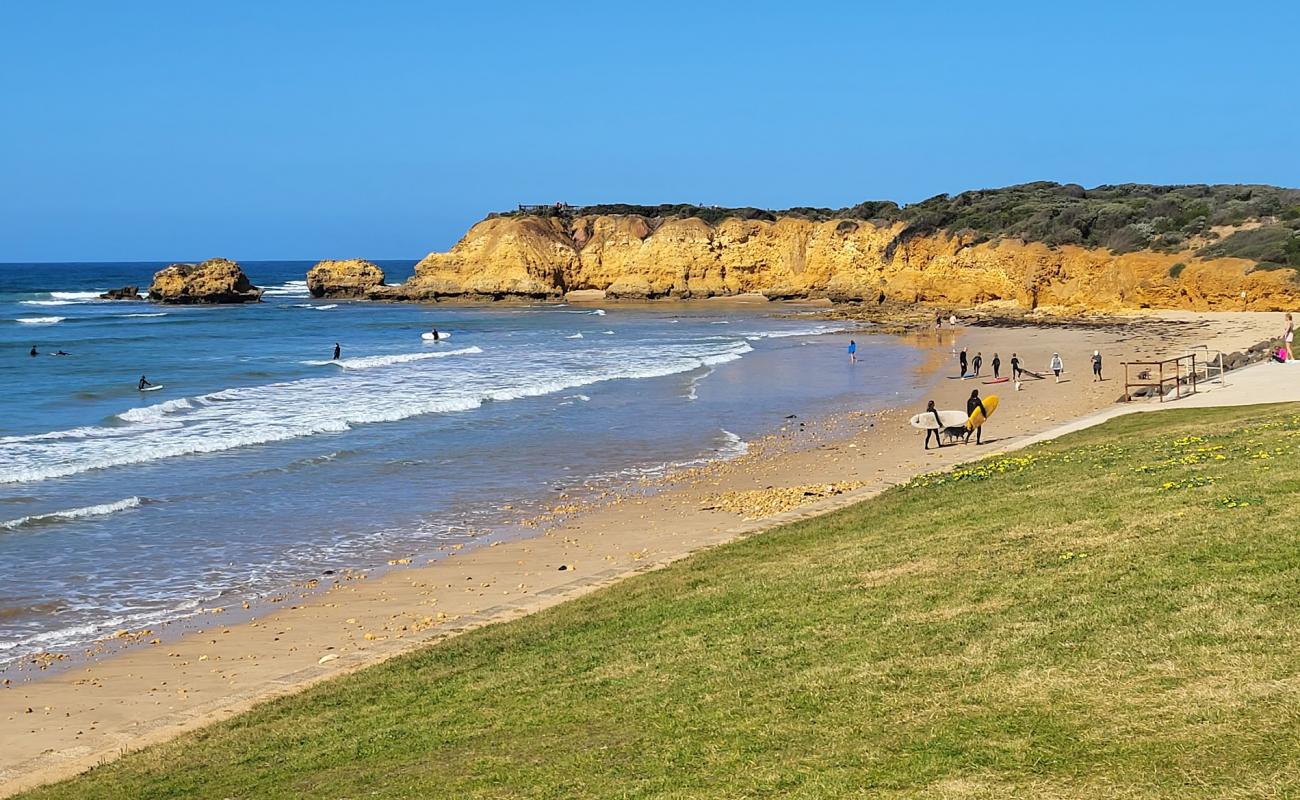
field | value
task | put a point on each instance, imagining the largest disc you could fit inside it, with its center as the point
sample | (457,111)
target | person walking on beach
(935,432)
(338,351)
(976,362)
(961,360)
(1096,365)
(996,363)
(973,403)
(1288,337)
(853,352)
(1015,367)
(1057,366)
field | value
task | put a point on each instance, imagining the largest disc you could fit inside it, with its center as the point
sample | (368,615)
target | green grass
(1115,614)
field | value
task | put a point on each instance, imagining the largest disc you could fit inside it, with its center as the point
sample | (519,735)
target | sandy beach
(156,686)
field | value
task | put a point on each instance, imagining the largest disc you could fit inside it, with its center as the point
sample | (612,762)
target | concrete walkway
(1266,382)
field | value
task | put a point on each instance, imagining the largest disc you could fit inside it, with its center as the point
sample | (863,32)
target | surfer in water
(961,361)
(971,405)
(853,352)
(930,409)
(144,382)
(436,335)
(338,351)
(996,363)
(33,353)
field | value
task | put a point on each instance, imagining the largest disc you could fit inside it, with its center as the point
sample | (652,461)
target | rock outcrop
(636,257)
(125,293)
(217,280)
(352,277)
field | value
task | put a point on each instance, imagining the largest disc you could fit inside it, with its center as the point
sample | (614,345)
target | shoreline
(146,694)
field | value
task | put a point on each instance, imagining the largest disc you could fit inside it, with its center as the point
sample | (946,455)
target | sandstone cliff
(349,278)
(217,280)
(632,256)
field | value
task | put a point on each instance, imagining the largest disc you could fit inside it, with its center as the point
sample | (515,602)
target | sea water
(262,461)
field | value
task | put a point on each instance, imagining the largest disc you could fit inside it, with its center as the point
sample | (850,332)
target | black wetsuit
(975,364)
(971,405)
(338,351)
(1015,368)
(997,367)
(935,432)
(1096,366)
(961,359)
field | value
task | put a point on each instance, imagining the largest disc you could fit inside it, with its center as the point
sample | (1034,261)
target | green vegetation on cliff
(1123,218)
(1112,614)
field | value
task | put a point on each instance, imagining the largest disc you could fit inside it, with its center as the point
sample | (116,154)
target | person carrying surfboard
(971,405)
(143,383)
(930,409)
(996,363)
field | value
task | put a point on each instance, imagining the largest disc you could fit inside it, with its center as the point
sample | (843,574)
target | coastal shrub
(1177,269)
(1272,243)
(1123,217)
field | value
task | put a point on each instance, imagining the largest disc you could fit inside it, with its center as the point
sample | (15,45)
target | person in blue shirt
(853,352)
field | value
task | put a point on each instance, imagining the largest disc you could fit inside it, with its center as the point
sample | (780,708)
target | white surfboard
(947,419)
(428,336)
(153,388)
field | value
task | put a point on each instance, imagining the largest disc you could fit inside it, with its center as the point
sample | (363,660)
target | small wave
(157,412)
(818,330)
(367,362)
(326,307)
(608,333)
(148,314)
(290,289)
(692,390)
(721,322)
(48,302)
(40,320)
(101,510)
(75,295)
(600,312)
(734,446)
(574,336)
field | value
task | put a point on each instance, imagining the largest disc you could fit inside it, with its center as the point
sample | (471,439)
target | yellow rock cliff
(635,257)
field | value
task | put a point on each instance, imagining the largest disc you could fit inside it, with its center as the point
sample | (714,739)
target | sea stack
(351,277)
(217,280)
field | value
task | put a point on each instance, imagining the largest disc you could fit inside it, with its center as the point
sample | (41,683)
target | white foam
(47,302)
(692,390)
(75,295)
(600,312)
(148,314)
(155,412)
(326,307)
(574,336)
(369,362)
(608,333)
(816,330)
(40,320)
(254,415)
(101,510)
(289,289)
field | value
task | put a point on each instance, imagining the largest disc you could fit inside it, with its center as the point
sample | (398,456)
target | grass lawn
(1115,614)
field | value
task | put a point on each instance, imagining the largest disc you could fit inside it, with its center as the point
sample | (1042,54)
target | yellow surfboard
(978,418)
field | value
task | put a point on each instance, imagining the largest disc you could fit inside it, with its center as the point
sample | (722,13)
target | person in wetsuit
(961,360)
(976,363)
(935,432)
(33,353)
(975,403)
(1015,366)
(997,366)
(143,383)
(338,351)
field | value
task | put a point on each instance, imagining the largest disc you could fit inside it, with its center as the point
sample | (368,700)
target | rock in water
(352,277)
(217,280)
(125,293)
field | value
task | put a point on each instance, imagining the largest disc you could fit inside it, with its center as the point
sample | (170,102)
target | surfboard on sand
(978,418)
(997,380)
(947,419)
(961,377)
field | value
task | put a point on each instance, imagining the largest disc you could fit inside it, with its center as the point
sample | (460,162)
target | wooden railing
(1180,372)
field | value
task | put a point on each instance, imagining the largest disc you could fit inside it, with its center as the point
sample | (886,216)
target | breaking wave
(102,510)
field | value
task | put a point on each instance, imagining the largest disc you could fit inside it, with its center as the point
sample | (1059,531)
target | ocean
(261,462)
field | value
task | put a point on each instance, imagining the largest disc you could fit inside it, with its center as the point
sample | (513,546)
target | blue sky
(168,130)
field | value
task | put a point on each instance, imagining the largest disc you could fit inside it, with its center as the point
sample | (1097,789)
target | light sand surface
(61,723)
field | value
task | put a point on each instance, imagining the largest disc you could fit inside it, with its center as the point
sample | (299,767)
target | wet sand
(61,723)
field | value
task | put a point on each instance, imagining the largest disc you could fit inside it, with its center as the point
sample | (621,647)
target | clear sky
(258,130)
